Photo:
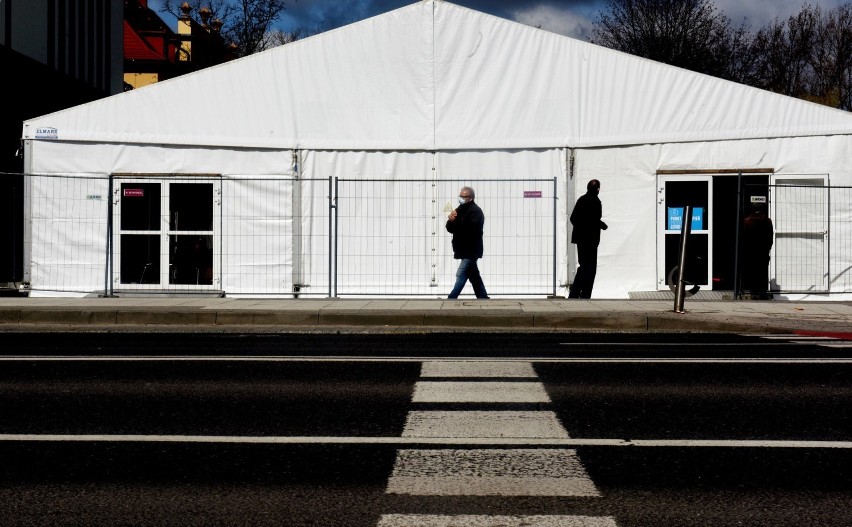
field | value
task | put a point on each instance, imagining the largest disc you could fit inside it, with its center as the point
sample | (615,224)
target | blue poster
(674,221)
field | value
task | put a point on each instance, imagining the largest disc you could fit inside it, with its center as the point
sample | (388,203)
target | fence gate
(800,213)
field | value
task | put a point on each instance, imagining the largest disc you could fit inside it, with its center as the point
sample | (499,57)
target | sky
(573,18)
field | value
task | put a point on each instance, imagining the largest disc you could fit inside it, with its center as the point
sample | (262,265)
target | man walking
(586,234)
(466,223)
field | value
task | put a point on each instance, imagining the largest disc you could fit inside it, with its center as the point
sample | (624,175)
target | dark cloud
(568,17)
(312,15)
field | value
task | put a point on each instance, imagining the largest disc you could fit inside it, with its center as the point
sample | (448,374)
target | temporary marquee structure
(330,162)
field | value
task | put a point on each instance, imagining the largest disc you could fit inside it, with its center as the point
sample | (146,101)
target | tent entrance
(164,235)
(674,193)
(711,249)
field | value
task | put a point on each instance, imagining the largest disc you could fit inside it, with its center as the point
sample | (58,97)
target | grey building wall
(54,54)
(82,39)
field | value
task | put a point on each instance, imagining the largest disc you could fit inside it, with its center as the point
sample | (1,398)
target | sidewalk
(157,313)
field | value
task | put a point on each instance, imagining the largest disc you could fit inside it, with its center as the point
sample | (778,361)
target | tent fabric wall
(390,212)
(626,260)
(65,239)
(383,215)
(511,228)
(432,92)
(257,234)
(388,203)
(60,157)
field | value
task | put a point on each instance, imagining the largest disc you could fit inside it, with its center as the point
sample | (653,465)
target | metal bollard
(685,229)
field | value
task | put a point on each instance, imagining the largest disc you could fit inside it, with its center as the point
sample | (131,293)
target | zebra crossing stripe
(477,369)
(554,472)
(490,472)
(484,424)
(468,520)
(479,392)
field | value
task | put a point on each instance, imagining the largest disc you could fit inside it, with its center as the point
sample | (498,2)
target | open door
(674,193)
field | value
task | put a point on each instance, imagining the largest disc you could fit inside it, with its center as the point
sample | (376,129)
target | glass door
(674,193)
(164,234)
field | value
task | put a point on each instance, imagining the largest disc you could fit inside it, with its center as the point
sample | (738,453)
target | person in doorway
(467,223)
(758,235)
(586,235)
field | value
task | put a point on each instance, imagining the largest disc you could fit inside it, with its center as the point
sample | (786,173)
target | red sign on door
(134,192)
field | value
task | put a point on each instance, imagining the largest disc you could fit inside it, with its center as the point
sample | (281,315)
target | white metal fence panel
(257,235)
(801,219)
(391,237)
(66,232)
(385,237)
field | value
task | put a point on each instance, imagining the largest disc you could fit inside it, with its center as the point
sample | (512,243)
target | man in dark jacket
(586,234)
(466,223)
(758,235)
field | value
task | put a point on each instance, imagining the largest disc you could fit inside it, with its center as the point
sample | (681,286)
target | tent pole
(332,240)
(737,291)
(108,248)
(555,188)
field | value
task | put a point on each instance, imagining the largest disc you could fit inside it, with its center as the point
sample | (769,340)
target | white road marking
(490,472)
(827,342)
(432,441)
(475,369)
(795,337)
(479,392)
(676,344)
(468,520)
(814,340)
(483,424)
(344,358)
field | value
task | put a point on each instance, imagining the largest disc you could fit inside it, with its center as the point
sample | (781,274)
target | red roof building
(154,52)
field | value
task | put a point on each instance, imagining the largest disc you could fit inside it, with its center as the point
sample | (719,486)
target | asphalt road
(450,429)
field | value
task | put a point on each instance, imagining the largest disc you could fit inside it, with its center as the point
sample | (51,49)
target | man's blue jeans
(468,270)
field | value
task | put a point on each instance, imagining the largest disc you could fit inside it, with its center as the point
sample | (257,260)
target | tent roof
(434,75)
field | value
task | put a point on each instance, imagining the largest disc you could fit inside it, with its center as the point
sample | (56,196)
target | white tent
(411,104)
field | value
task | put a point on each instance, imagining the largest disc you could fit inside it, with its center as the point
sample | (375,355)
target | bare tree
(690,34)
(784,53)
(831,59)
(738,57)
(279,37)
(808,55)
(245,23)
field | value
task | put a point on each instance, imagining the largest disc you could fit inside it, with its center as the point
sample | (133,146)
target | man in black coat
(586,234)
(758,235)
(467,223)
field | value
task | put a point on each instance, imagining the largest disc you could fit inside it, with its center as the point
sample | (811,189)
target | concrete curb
(414,320)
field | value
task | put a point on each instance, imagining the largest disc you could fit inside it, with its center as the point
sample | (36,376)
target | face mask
(462,200)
